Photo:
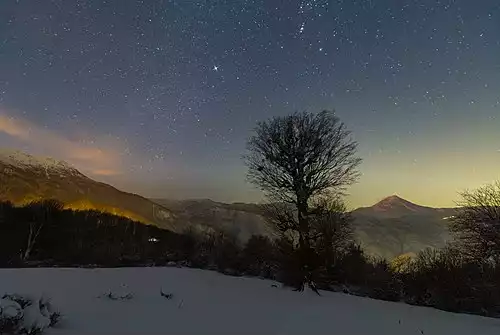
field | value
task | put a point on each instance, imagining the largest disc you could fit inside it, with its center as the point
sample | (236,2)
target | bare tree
(477,223)
(297,159)
(43,212)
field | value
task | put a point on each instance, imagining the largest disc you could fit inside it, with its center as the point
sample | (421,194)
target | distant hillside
(391,227)
(243,220)
(24,178)
(396,207)
(395,226)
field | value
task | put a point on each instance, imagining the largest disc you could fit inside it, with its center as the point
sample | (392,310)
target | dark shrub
(259,257)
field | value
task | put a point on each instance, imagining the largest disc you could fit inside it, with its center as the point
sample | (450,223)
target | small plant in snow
(11,314)
(47,309)
(19,299)
(127,296)
(168,296)
(109,295)
(26,316)
(112,296)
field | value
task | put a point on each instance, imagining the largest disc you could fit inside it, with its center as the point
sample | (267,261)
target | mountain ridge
(394,206)
(389,233)
(25,178)
(389,228)
(16,158)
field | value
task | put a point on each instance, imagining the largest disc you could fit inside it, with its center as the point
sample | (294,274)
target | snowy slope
(206,302)
(25,178)
(24,160)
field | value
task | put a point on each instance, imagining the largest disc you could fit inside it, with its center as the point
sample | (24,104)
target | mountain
(396,226)
(24,178)
(242,220)
(396,207)
(392,227)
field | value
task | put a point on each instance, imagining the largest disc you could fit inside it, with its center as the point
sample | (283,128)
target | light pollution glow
(430,172)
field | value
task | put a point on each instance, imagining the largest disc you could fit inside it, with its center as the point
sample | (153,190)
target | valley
(387,229)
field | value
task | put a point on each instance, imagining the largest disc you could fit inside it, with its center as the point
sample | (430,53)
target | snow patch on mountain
(23,160)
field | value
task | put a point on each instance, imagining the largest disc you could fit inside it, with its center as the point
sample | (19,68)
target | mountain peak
(22,159)
(395,202)
(393,198)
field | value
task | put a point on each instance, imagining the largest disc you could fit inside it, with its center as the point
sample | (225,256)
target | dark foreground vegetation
(22,315)
(44,234)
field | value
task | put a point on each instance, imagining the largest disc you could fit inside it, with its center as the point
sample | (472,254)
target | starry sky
(158,97)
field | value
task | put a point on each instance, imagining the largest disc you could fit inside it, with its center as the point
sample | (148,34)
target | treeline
(45,234)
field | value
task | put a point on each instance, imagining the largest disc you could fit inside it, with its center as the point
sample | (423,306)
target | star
(302,26)
(170,72)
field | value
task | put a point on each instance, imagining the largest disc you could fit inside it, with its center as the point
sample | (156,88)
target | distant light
(153,240)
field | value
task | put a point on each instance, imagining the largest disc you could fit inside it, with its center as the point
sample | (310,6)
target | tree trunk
(29,243)
(303,209)
(32,237)
(306,254)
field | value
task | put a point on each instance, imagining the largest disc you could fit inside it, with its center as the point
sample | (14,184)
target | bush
(27,316)
(445,280)
(289,271)
(382,283)
(227,253)
(259,257)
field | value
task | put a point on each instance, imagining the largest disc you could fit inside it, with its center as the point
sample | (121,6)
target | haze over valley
(389,228)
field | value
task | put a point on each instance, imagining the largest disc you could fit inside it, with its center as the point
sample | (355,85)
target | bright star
(302,26)
(216,68)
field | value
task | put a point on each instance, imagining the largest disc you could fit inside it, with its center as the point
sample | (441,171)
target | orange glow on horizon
(85,205)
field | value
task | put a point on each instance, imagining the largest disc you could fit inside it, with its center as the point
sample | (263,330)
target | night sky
(159,97)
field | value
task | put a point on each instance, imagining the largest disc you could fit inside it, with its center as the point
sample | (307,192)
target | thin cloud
(106,172)
(13,128)
(90,159)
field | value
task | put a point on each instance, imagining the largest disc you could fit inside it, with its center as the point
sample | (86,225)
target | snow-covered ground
(205,302)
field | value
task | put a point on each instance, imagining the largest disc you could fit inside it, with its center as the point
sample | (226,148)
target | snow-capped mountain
(19,159)
(25,178)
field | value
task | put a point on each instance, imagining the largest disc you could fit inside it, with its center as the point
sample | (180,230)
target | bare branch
(302,155)
(477,223)
(296,159)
